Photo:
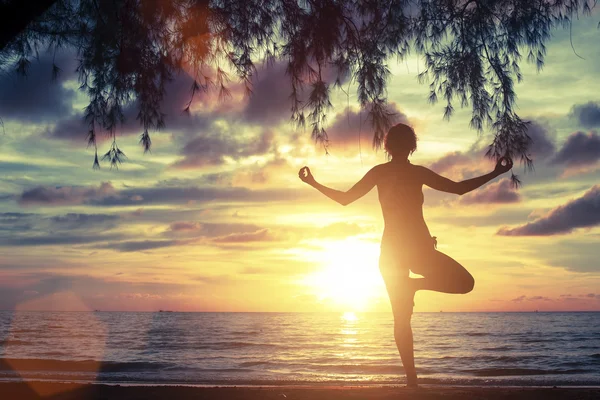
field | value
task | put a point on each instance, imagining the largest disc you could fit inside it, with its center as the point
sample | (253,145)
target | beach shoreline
(32,390)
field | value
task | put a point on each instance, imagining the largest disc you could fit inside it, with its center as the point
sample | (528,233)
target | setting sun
(350,276)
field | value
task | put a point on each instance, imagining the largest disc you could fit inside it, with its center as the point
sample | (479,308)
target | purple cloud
(350,124)
(177,97)
(37,97)
(270,101)
(464,165)
(580,149)
(64,195)
(207,150)
(587,114)
(542,146)
(500,192)
(449,161)
(519,299)
(583,212)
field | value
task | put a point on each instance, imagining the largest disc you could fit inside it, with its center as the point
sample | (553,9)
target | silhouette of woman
(406,242)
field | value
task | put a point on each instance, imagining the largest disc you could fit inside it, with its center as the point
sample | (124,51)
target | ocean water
(298,348)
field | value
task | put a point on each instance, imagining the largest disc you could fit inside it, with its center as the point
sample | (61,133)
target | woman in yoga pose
(406,243)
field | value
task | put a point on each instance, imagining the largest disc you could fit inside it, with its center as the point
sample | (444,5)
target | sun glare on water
(350,276)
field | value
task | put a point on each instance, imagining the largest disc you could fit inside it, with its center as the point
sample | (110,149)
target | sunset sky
(216,219)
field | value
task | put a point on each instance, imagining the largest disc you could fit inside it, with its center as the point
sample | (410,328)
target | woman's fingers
(505,162)
(304,172)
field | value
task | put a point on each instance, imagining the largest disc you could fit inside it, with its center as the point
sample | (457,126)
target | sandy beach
(69,391)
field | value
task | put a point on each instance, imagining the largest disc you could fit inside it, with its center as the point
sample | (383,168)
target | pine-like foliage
(129,49)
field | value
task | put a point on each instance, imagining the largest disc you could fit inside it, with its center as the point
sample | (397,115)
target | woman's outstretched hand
(306,176)
(503,165)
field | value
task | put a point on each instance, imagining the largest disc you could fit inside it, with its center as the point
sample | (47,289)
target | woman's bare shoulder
(420,168)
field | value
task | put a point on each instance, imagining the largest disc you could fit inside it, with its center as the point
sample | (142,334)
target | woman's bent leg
(441,274)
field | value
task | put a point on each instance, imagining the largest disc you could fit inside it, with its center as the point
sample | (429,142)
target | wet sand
(70,391)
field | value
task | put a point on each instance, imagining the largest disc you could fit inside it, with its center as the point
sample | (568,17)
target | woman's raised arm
(357,191)
(440,183)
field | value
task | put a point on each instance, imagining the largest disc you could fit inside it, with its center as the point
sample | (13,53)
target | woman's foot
(412,384)
(411,381)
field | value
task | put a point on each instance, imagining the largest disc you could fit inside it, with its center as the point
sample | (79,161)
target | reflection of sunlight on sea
(349,316)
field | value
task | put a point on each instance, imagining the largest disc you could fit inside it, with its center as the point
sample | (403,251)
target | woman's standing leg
(440,273)
(401,297)
(404,340)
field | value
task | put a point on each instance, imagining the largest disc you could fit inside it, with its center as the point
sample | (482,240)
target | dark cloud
(460,165)
(63,195)
(580,149)
(542,146)
(451,160)
(270,101)
(212,149)
(54,240)
(78,221)
(141,245)
(15,216)
(519,299)
(16,222)
(19,224)
(37,97)
(499,192)
(587,114)
(196,195)
(350,124)
(583,212)
(267,105)
(177,97)
(72,128)
(20,229)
